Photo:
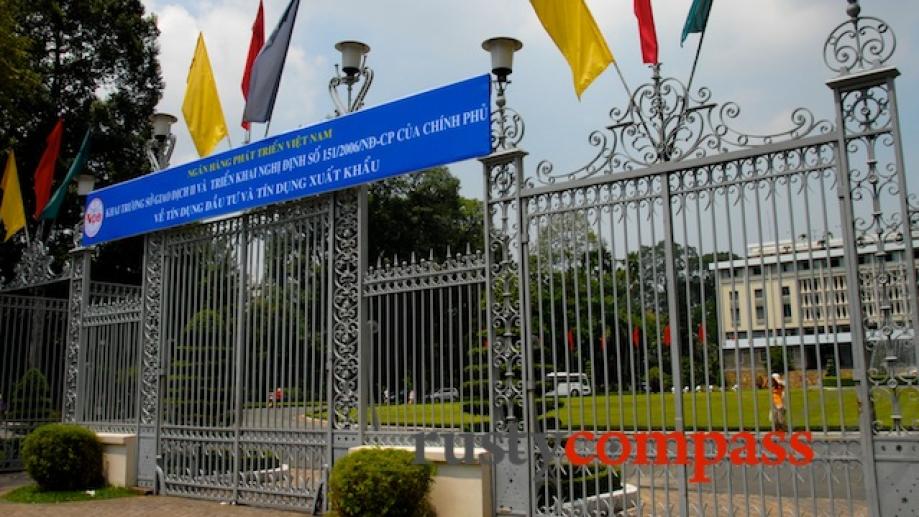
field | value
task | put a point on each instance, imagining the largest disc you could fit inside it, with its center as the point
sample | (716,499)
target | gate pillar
(510,367)
(80,259)
(150,358)
(348,390)
(877,224)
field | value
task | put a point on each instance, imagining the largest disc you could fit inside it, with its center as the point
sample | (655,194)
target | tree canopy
(421,212)
(95,64)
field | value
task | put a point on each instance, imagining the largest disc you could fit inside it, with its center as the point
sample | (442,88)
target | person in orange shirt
(778,402)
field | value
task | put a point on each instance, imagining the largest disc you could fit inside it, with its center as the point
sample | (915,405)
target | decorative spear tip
(853,9)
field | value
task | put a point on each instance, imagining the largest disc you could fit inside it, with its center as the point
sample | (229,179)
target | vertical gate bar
(910,295)
(673,319)
(524,334)
(243,246)
(328,366)
(363,343)
(863,389)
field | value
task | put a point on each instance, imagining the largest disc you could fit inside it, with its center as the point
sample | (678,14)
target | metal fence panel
(32,343)
(109,379)
(428,349)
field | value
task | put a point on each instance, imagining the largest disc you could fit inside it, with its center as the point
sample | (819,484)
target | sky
(766,56)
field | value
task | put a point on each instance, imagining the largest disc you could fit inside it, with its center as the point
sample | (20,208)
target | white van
(564,384)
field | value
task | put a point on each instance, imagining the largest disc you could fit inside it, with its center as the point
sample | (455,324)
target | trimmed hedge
(830,382)
(63,457)
(381,482)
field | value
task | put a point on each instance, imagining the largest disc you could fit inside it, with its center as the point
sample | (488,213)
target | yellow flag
(201,106)
(576,34)
(12,213)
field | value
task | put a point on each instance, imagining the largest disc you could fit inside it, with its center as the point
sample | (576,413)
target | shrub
(31,398)
(63,457)
(381,482)
(830,382)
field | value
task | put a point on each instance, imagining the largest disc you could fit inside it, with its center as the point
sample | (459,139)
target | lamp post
(502,51)
(507,124)
(354,67)
(159,151)
(86,183)
(351,348)
(162,143)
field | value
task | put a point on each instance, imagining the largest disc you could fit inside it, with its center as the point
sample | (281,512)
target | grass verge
(32,494)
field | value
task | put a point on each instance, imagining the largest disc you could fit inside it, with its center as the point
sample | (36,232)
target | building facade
(795,294)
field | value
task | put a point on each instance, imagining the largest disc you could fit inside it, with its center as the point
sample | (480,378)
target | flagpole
(229,140)
(267,127)
(695,63)
(628,91)
(692,76)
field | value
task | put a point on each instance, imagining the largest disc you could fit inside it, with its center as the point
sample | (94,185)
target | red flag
(571,340)
(636,337)
(255,45)
(44,173)
(646,30)
(700,331)
(667,335)
(486,343)
(603,342)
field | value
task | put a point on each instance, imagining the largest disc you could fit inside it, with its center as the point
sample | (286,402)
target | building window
(759,300)
(735,309)
(786,303)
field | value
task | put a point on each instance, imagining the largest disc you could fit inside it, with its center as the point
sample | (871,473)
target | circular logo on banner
(92,221)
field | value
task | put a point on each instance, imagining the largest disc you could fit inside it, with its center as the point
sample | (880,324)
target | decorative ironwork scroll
(150,346)
(34,267)
(665,122)
(345,308)
(79,279)
(858,44)
(428,273)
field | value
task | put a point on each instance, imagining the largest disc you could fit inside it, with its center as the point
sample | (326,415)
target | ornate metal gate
(689,278)
(660,287)
(244,389)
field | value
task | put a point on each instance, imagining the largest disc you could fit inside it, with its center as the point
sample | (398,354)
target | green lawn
(816,409)
(32,494)
(716,410)
(446,414)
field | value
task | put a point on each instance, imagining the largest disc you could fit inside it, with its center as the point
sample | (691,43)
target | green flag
(54,206)
(697,18)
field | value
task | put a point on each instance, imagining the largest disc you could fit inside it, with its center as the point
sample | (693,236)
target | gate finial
(859,44)
(854,9)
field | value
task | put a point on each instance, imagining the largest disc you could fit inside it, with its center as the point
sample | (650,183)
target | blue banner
(444,125)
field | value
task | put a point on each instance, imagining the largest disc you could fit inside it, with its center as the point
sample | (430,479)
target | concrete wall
(119,458)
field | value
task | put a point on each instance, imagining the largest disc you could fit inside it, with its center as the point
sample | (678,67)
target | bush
(63,457)
(31,398)
(381,482)
(830,382)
